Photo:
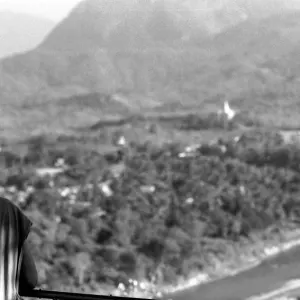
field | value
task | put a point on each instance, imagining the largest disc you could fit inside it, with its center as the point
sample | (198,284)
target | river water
(269,275)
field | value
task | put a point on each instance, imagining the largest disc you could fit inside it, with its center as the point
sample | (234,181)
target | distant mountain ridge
(158,51)
(117,24)
(21,32)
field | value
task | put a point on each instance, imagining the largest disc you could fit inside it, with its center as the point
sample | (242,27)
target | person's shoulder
(8,207)
(11,211)
(4,202)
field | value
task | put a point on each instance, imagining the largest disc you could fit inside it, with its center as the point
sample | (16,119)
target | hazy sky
(50,9)
(58,9)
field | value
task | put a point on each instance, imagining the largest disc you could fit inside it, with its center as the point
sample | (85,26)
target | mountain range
(162,53)
(21,32)
(149,23)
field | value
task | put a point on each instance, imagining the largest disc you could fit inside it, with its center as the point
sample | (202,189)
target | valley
(152,141)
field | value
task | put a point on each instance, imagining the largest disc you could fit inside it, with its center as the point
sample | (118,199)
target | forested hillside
(150,212)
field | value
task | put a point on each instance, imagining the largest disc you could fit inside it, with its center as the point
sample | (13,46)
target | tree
(81,263)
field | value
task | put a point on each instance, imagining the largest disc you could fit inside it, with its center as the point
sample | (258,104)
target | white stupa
(121,141)
(230,113)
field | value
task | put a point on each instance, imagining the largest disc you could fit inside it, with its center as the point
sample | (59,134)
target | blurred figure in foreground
(17,268)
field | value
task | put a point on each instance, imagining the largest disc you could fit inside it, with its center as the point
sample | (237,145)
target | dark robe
(14,229)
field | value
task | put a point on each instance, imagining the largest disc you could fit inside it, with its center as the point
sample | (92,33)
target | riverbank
(239,259)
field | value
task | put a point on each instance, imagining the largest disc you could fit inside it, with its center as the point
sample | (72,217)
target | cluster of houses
(69,193)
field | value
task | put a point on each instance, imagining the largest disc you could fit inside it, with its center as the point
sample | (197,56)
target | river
(269,275)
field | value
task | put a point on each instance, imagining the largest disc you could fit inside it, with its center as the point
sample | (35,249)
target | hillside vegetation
(153,213)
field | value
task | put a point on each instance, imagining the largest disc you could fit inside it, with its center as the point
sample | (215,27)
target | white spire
(228,111)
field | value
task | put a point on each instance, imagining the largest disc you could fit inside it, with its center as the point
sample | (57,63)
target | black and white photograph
(150,149)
